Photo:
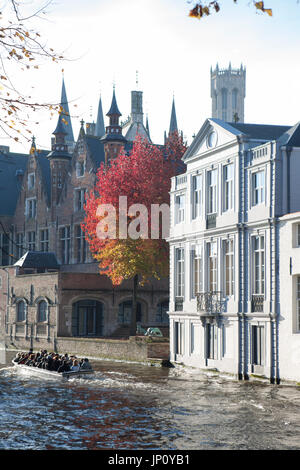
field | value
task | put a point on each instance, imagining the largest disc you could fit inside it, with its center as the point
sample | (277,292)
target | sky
(109,41)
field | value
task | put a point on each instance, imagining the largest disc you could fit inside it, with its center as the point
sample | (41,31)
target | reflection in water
(130,406)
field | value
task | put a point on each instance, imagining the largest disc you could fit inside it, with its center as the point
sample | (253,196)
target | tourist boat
(52,373)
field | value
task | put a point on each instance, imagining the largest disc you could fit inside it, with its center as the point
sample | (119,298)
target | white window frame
(212,181)
(179,208)
(197,196)
(212,266)
(258,345)
(298,235)
(228,187)
(258,188)
(228,265)
(258,265)
(196,270)
(179,272)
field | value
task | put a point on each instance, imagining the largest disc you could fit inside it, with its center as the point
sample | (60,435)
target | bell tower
(228,91)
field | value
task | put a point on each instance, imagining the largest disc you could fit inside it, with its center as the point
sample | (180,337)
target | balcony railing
(257,303)
(210,303)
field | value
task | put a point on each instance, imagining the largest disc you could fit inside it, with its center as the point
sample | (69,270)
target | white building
(226,296)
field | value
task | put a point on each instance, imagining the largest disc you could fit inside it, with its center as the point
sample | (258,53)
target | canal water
(132,406)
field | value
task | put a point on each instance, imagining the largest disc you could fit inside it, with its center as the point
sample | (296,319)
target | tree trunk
(134,306)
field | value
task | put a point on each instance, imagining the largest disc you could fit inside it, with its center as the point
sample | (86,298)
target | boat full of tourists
(52,365)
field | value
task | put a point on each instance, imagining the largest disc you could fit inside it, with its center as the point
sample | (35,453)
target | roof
(100,128)
(66,123)
(137,128)
(12,167)
(113,107)
(96,149)
(260,131)
(38,259)
(173,120)
(291,137)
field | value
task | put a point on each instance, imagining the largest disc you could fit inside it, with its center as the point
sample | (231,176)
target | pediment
(213,134)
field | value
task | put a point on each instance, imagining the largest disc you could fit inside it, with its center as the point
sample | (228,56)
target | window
(258,265)
(80,167)
(44,239)
(224,98)
(179,338)
(31,241)
(31,180)
(19,245)
(197,196)
(125,311)
(197,270)
(258,345)
(80,245)
(87,318)
(228,186)
(258,188)
(31,208)
(179,283)
(4,249)
(79,199)
(298,235)
(212,191)
(65,242)
(42,311)
(234,98)
(228,266)
(21,311)
(161,312)
(179,208)
(212,266)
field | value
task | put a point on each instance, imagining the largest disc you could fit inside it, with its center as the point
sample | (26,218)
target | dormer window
(80,168)
(31,180)
(31,208)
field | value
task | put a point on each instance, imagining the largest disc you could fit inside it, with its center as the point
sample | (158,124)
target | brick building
(49,283)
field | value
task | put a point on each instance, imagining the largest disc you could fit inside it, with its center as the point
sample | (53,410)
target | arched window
(87,318)
(161,312)
(21,311)
(125,309)
(42,311)
(224,98)
(234,98)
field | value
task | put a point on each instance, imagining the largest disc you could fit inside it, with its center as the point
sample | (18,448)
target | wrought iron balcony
(210,303)
(178,304)
(257,303)
(211,220)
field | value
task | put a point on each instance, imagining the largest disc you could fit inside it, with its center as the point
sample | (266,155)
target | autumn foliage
(205,8)
(144,177)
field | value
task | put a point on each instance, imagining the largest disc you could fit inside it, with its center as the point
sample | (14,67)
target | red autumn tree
(129,242)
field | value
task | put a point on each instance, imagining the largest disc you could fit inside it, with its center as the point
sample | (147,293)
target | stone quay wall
(136,348)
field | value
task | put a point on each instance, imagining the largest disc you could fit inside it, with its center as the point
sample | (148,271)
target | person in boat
(85,365)
(75,367)
(64,367)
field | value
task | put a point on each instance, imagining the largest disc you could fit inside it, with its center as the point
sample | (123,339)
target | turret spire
(100,129)
(173,121)
(64,120)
